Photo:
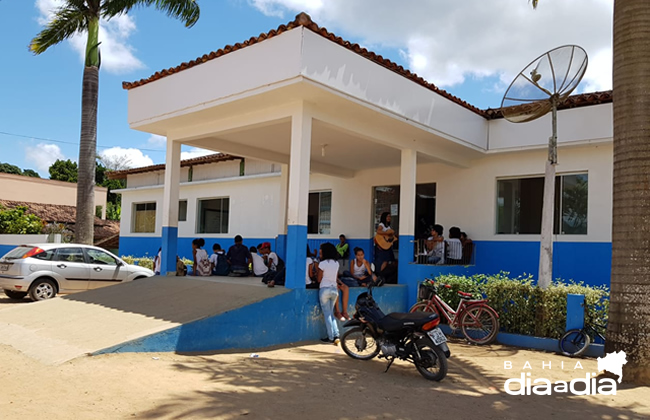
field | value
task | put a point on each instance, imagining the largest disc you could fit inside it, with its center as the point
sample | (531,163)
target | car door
(69,263)
(105,269)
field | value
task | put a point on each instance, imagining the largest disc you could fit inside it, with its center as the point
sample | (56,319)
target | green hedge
(147,262)
(524,308)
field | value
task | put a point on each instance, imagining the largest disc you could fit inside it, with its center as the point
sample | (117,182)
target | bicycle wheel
(574,343)
(359,344)
(479,324)
(423,306)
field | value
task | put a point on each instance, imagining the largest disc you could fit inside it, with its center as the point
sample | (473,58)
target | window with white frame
(214,214)
(144,217)
(319,216)
(519,205)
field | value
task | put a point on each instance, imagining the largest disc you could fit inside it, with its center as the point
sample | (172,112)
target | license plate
(4,267)
(437,336)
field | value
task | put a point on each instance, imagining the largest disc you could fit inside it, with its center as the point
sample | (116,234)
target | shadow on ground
(317,383)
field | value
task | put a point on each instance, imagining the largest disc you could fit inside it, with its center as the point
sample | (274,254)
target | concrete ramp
(67,327)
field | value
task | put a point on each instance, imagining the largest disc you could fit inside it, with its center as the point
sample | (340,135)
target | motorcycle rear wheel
(432,364)
(359,344)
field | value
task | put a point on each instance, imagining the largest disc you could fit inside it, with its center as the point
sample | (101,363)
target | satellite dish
(539,88)
(550,78)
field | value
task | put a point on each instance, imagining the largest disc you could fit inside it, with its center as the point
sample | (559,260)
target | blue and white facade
(311,117)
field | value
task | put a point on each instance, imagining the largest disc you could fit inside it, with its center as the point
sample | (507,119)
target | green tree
(8,168)
(64,170)
(31,173)
(16,221)
(628,328)
(83,16)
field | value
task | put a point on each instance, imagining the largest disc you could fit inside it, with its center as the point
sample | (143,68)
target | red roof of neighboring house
(217,157)
(574,101)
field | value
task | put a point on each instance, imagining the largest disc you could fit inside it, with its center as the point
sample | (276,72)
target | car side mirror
(120,263)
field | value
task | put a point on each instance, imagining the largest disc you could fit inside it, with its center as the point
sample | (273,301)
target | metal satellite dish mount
(539,88)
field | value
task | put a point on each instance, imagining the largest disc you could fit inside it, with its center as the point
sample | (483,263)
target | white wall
(587,124)
(261,64)
(465,197)
(254,206)
(337,67)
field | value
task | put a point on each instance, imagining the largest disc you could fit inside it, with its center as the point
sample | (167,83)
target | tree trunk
(629,310)
(85,221)
(84,226)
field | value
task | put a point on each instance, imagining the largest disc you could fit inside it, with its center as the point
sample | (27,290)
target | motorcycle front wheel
(432,363)
(359,344)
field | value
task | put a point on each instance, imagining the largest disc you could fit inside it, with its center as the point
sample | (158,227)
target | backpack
(221,268)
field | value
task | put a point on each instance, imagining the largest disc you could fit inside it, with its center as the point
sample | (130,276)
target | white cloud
(195,152)
(156,140)
(128,158)
(43,156)
(447,41)
(117,54)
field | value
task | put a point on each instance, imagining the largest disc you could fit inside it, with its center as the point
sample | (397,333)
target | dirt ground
(313,381)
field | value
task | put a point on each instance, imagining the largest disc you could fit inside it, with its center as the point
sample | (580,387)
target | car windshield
(17,253)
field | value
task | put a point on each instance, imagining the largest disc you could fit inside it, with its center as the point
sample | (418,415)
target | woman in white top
(384,256)
(360,273)
(328,271)
(455,246)
(202,265)
(157,262)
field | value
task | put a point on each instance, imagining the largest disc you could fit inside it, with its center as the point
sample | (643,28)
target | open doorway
(386,198)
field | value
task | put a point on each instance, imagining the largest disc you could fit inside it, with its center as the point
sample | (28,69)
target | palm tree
(78,16)
(628,328)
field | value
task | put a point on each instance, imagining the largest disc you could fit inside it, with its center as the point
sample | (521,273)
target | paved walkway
(67,327)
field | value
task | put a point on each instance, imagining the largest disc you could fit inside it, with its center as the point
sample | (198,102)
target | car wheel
(12,294)
(42,289)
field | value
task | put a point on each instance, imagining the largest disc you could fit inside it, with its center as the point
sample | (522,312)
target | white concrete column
(298,197)
(170,208)
(408,179)
(408,172)
(281,240)
(284,195)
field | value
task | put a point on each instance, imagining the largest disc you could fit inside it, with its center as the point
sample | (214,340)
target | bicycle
(477,320)
(575,342)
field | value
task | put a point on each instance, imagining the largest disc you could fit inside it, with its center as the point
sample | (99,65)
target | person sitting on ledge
(360,273)
(259,266)
(239,258)
(219,262)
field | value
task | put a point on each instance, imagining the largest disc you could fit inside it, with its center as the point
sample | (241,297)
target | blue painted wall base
(288,318)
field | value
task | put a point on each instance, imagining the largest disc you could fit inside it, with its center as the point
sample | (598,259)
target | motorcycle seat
(397,321)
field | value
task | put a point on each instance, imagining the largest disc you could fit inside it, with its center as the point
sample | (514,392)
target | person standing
(384,238)
(328,270)
(157,260)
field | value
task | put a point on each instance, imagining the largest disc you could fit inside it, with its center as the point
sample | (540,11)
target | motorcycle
(414,337)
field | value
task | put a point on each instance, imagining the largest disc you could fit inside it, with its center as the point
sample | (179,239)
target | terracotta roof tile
(574,101)
(304,20)
(217,157)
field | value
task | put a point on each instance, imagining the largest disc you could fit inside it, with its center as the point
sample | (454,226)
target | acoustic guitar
(385,242)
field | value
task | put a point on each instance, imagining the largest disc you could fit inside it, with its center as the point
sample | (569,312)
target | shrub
(146,262)
(16,221)
(523,307)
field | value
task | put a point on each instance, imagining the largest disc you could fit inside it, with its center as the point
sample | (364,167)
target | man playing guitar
(384,239)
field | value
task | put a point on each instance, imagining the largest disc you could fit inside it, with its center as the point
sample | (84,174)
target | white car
(43,270)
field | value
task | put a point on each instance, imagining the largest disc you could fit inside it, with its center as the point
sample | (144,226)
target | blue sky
(40,95)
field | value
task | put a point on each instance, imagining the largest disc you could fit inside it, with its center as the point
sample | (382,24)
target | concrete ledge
(287,318)
(536,343)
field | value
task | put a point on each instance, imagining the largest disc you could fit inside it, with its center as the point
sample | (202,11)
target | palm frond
(187,11)
(534,3)
(67,21)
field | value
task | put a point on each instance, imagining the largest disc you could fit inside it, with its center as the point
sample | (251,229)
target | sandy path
(310,381)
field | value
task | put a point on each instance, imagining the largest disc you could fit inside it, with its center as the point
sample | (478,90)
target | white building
(329,135)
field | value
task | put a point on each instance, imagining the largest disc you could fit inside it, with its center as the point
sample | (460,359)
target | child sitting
(259,267)
(219,262)
(360,273)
